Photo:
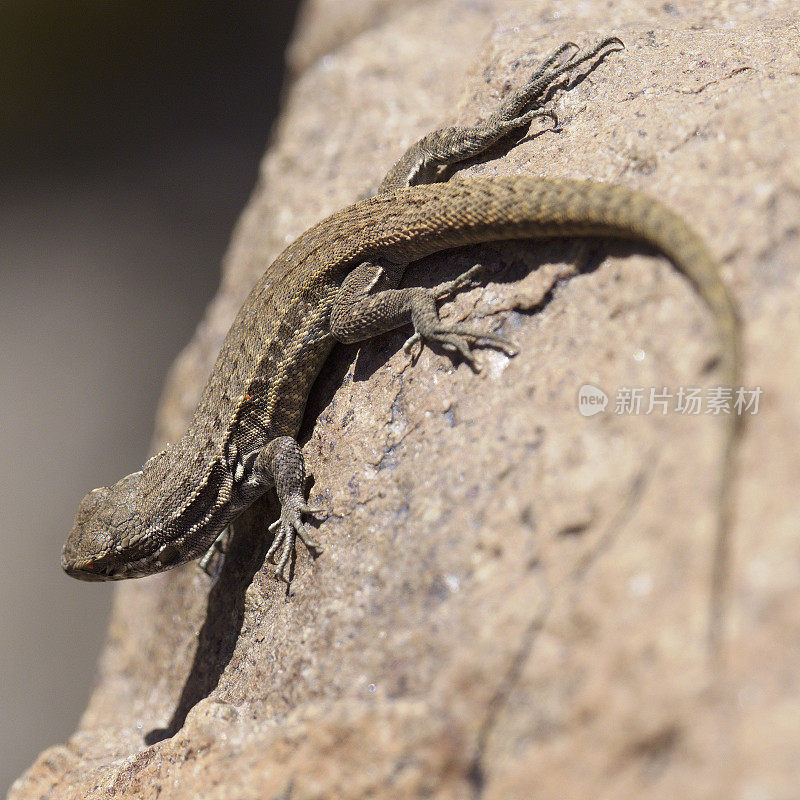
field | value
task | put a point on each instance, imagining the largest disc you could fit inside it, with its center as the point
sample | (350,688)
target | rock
(513,598)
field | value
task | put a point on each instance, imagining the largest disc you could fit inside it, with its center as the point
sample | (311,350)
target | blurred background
(130,138)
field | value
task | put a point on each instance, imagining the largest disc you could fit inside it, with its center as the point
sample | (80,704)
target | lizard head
(108,541)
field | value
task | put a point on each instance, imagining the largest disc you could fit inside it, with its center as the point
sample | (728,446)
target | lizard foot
(287,528)
(458,339)
(455,338)
(214,559)
(539,86)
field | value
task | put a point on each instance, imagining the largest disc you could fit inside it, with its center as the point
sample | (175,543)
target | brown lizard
(339,282)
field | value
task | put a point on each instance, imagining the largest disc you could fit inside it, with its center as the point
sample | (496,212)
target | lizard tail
(604,209)
(407,224)
(426,219)
(438,216)
(650,221)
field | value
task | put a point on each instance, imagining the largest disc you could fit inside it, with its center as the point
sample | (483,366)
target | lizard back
(281,337)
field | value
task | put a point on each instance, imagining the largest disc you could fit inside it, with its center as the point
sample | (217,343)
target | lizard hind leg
(425,161)
(358,314)
(537,89)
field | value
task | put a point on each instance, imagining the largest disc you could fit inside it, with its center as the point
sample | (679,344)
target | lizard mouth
(100,570)
(95,571)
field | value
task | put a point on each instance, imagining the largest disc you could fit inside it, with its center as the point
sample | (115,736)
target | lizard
(340,282)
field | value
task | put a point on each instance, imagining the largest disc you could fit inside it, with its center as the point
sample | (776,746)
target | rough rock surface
(512,601)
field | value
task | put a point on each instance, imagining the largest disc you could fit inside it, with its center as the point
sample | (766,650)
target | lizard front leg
(281,464)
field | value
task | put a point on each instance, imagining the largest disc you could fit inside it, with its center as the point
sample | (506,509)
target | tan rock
(513,598)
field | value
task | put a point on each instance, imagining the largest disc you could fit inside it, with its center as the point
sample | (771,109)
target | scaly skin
(338,281)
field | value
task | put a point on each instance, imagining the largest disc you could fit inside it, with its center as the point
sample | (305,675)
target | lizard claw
(289,527)
(428,328)
(413,346)
(463,341)
(466,280)
(533,114)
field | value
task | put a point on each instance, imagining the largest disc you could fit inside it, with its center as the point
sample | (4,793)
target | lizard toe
(287,529)
(465,340)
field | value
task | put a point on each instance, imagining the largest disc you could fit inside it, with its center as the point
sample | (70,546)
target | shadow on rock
(224,613)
